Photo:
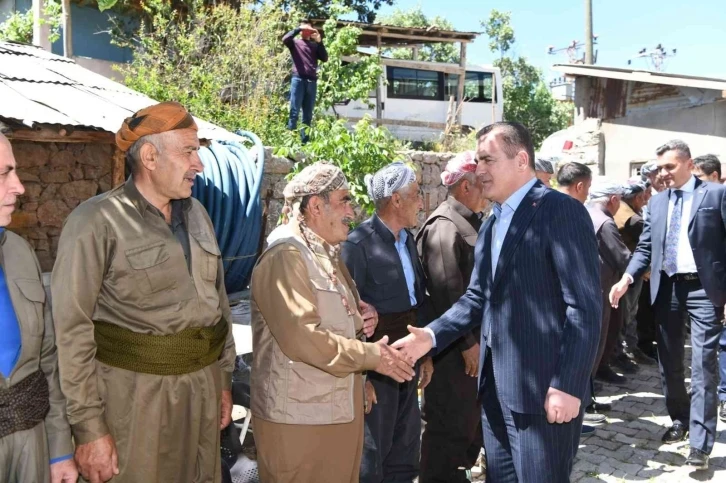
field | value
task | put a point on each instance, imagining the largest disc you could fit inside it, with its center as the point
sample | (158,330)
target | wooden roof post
(460,87)
(118,172)
(379,84)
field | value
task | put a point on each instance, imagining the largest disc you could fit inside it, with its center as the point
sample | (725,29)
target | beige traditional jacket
(305,345)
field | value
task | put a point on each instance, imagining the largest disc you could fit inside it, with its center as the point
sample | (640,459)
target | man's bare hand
(425,372)
(393,364)
(225,409)
(471,360)
(560,406)
(618,290)
(415,345)
(98,460)
(371,398)
(370,318)
(646,276)
(315,36)
(64,472)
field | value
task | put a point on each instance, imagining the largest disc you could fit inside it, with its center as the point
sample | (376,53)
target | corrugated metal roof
(37,87)
(580,70)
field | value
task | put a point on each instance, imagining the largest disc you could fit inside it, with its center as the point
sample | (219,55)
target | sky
(696,28)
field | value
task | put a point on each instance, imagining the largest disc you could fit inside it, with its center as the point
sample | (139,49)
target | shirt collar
(383,230)
(689,187)
(516,198)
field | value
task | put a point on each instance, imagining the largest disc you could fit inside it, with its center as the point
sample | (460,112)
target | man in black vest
(452,437)
(382,258)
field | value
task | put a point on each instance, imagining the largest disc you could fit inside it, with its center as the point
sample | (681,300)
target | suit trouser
(630,312)
(392,438)
(24,456)
(452,436)
(646,325)
(677,301)
(722,366)
(525,447)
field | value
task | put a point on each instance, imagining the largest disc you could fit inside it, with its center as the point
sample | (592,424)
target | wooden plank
(410,64)
(460,86)
(405,122)
(62,135)
(118,170)
(379,86)
(420,38)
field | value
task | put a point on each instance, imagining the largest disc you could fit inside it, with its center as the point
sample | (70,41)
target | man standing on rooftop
(306,52)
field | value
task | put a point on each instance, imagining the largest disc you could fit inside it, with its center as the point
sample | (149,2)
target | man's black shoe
(722,411)
(623,362)
(675,434)
(641,357)
(649,350)
(587,429)
(605,373)
(697,459)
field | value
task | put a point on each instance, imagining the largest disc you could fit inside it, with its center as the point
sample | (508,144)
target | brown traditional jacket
(25,284)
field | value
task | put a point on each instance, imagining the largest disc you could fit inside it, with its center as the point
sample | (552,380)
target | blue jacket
(543,306)
(706,232)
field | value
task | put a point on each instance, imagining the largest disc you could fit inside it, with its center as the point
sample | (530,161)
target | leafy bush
(360,151)
(225,65)
(229,66)
(18,27)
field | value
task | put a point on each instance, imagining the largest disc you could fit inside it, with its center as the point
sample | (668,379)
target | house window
(635,168)
(413,84)
(477,86)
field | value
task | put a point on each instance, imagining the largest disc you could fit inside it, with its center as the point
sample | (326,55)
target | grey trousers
(24,456)
(629,331)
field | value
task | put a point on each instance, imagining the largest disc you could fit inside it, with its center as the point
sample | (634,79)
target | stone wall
(430,165)
(57,177)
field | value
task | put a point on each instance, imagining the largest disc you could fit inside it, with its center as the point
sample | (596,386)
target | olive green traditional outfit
(144,337)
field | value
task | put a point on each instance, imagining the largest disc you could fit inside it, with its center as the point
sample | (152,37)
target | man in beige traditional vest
(144,339)
(35,439)
(307,326)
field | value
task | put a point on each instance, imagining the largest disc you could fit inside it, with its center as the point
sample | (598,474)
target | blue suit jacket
(543,305)
(706,232)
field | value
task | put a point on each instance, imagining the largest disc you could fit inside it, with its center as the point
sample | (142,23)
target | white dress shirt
(685,262)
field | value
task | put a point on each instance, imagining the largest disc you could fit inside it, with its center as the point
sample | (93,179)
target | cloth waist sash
(394,325)
(24,405)
(188,351)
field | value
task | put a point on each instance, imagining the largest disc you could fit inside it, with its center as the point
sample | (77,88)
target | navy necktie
(670,261)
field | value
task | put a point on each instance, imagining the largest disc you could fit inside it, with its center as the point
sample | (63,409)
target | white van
(415,102)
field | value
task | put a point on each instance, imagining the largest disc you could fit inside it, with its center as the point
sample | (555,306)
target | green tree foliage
(364,9)
(527,99)
(229,66)
(18,27)
(225,65)
(358,151)
(415,17)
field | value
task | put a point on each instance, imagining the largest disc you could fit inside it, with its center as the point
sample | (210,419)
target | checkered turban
(456,168)
(389,179)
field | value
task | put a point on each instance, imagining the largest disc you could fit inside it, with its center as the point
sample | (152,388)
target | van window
(477,86)
(413,84)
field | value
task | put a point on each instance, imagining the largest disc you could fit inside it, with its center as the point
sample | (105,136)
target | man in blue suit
(535,291)
(684,239)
